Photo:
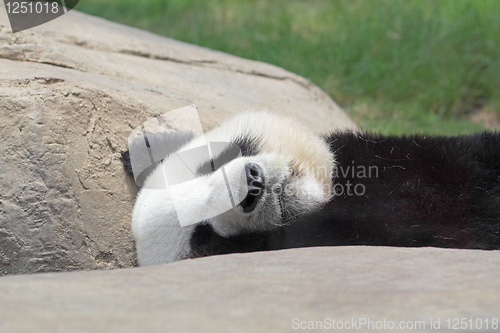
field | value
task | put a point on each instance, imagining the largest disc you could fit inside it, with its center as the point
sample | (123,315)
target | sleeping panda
(343,188)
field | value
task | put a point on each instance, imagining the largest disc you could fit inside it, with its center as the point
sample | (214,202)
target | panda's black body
(422,191)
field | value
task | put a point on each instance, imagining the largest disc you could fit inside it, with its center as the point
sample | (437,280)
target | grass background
(396,66)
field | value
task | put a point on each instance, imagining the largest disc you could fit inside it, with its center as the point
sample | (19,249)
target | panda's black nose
(255,181)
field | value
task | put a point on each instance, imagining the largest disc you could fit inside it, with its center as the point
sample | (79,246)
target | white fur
(297,167)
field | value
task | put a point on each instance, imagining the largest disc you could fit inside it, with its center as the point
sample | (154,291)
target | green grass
(396,66)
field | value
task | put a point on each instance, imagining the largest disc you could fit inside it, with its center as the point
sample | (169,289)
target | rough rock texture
(263,292)
(71,91)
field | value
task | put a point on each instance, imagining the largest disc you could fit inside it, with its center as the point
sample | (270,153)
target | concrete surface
(263,292)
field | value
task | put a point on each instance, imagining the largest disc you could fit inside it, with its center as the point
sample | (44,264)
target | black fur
(127,165)
(428,191)
(169,142)
(247,147)
(205,241)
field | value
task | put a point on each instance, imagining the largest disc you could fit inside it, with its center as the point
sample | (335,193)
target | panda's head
(287,172)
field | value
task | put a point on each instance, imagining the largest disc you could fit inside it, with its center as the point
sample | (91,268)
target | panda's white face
(288,170)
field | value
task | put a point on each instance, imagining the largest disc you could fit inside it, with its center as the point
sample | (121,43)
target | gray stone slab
(264,292)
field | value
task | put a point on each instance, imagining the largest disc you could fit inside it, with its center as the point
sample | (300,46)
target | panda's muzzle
(255,181)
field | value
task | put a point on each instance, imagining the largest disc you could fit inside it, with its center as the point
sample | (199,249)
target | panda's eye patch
(226,152)
(229,153)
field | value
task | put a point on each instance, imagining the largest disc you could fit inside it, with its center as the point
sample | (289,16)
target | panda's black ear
(127,165)
(165,143)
